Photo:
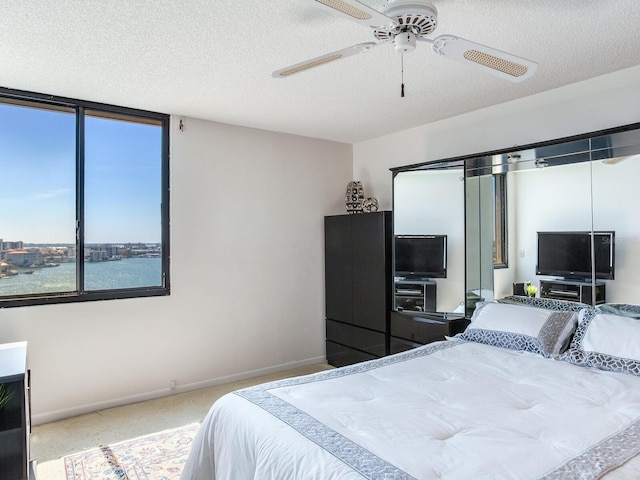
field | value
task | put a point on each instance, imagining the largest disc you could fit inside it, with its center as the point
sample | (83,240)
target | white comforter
(449,410)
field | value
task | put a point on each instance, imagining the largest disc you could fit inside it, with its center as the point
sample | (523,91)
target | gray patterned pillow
(605,341)
(548,303)
(519,327)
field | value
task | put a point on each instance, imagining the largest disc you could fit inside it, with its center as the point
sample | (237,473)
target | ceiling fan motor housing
(415,16)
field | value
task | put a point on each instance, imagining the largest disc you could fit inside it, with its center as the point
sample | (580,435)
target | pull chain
(402,75)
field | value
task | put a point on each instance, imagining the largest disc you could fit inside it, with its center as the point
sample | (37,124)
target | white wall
(247,279)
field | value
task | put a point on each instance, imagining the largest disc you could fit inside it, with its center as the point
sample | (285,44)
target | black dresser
(358,286)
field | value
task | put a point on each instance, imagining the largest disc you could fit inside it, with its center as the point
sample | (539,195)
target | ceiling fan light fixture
(404,42)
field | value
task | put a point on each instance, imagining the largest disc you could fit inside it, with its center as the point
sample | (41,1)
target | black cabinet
(416,295)
(14,415)
(410,329)
(358,283)
(573,291)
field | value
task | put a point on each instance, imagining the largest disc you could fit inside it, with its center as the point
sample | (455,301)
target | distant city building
(96,255)
(11,245)
(24,257)
(14,254)
(4,246)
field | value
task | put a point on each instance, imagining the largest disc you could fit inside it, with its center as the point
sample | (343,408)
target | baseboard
(47,417)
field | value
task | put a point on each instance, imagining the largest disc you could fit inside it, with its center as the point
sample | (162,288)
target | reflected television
(569,255)
(421,256)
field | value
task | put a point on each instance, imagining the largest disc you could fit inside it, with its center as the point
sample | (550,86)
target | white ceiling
(212,59)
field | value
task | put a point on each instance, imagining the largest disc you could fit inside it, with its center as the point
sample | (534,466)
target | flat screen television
(568,255)
(421,256)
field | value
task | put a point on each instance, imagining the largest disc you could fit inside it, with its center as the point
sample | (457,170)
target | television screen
(568,254)
(421,256)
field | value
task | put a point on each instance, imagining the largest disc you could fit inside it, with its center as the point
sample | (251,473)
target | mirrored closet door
(559,216)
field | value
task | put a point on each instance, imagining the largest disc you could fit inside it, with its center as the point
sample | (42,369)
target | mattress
(449,410)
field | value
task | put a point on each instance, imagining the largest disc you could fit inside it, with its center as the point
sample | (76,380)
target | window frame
(52,102)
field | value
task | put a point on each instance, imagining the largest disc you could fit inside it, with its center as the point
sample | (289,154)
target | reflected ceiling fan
(405,22)
(616,160)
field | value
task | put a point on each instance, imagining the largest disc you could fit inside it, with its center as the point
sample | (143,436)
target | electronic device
(421,256)
(569,254)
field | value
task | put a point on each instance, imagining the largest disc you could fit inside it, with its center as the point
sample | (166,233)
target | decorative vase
(370,205)
(354,197)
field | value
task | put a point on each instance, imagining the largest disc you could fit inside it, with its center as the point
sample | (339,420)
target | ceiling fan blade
(496,62)
(324,59)
(614,160)
(356,11)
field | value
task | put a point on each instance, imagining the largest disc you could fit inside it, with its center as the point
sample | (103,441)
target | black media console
(415,295)
(573,291)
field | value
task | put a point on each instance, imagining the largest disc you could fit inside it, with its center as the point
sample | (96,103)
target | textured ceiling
(212,59)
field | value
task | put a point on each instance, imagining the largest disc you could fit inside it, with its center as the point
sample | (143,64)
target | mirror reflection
(614,197)
(480,237)
(429,239)
(559,217)
(549,218)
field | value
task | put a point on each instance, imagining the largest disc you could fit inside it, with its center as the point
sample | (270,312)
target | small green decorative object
(531,289)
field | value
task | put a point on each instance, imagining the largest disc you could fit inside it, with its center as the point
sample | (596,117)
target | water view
(125,273)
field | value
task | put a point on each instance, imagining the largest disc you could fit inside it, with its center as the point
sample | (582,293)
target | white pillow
(519,327)
(605,341)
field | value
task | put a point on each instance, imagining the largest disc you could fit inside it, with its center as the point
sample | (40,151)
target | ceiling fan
(405,22)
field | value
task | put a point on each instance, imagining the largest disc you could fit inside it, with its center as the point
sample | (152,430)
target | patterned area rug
(159,456)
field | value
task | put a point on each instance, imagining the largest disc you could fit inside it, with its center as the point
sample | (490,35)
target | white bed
(450,410)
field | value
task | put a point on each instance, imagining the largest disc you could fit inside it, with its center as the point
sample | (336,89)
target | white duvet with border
(450,410)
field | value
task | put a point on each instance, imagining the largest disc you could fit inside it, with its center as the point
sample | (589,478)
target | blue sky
(37,167)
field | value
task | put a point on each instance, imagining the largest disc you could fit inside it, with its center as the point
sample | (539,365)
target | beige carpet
(51,442)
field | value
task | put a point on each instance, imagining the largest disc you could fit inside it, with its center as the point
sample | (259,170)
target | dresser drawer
(425,329)
(338,355)
(397,345)
(368,341)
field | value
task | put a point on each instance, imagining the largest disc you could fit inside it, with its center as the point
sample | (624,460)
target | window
(84,198)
